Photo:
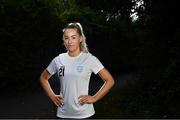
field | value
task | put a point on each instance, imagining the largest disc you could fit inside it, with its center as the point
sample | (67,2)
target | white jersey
(74,74)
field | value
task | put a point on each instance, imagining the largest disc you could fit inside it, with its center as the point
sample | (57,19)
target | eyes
(71,34)
(66,38)
(71,37)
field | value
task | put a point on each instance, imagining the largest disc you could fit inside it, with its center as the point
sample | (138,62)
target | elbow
(42,79)
(112,82)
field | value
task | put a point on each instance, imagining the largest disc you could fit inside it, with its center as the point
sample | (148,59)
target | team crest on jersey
(61,71)
(79,68)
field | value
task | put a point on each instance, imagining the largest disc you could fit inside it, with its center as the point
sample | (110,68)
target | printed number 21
(61,71)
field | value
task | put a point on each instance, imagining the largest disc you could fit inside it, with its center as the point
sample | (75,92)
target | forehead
(70,31)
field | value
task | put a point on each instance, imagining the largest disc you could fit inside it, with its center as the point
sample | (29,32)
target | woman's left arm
(108,83)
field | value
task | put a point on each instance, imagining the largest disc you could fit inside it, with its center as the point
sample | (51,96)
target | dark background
(142,55)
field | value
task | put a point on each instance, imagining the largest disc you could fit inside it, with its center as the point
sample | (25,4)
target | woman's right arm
(44,80)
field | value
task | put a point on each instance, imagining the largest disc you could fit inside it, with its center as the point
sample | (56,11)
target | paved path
(27,106)
(37,105)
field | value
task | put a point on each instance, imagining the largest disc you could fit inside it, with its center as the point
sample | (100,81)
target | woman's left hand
(86,99)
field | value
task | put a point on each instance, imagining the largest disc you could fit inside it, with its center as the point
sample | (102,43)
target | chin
(71,49)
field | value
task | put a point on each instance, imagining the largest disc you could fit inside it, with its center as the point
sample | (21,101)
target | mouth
(70,45)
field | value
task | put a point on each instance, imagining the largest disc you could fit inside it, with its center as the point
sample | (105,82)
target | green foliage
(114,7)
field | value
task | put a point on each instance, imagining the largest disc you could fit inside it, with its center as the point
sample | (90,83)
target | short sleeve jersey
(74,75)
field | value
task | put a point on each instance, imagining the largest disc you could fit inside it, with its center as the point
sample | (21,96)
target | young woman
(74,69)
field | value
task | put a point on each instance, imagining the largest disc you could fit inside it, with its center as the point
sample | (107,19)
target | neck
(74,53)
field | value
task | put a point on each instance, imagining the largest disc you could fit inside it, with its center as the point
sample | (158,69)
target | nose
(69,41)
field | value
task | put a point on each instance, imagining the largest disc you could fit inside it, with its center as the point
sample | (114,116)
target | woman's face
(72,39)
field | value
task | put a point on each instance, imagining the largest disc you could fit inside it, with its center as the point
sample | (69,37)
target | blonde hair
(78,27)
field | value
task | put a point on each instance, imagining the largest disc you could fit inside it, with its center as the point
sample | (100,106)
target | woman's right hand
(57,100)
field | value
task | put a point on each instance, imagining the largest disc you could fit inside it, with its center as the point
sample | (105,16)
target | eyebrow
(70,36)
